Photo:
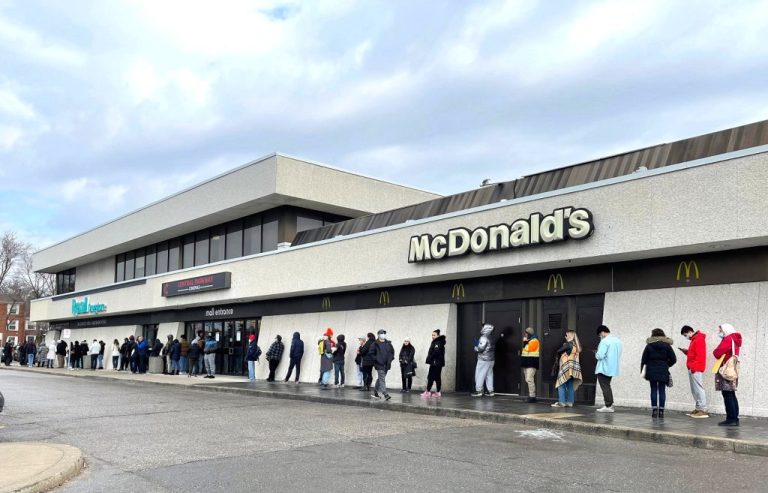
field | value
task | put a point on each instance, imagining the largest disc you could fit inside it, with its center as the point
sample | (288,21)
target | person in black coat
(294,356)
(436,362)
(407,364)
(657,359)
(367,362)
(382,354)
(194,353)
(338,360)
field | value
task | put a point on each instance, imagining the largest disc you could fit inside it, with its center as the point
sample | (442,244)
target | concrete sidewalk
(631,424)
(36,467)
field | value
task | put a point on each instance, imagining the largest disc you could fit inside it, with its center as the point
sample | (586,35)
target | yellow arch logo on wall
(326,303)
(458,292)
(554,280)
(384,298)
(686,268)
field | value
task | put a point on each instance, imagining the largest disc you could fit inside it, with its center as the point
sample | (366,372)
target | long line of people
(375,352)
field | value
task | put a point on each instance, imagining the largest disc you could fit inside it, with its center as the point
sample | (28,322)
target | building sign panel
(85,308)
(209,282)
(538,229)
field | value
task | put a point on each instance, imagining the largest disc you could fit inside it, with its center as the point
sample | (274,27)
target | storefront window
(130,263)
(217,243)
(162,257)
(252,235)
(119,271)
(235,239)
(201,247)
(188,251)
(139,263)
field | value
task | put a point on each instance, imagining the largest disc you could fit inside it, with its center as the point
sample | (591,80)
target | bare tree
(12,249)
(34,284)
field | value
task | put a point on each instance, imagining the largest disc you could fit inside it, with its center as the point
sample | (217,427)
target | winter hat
(530,331)
(728,329)
(329,332)
(381,331)
(251,338)
(407,339)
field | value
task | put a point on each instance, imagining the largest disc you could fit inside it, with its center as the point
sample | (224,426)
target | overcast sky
(106,106)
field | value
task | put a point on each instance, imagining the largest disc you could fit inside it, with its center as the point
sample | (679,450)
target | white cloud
(37,48)
(11,105)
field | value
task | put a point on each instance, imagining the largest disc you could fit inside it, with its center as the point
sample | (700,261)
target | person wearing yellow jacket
(529,361)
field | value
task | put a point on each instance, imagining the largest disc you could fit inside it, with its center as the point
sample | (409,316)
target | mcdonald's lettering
(554,280)
(384,298)
(562,224)
(326,303)
(685,268)
(458,291)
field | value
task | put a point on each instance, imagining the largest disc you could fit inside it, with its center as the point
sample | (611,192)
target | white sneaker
(606,409)
(558,404)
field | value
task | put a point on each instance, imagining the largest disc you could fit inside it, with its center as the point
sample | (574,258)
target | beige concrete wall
(245,190)
(679,219)
(632,315)
(416,322)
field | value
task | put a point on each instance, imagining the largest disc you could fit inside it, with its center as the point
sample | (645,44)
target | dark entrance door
(506,317)
(554,322)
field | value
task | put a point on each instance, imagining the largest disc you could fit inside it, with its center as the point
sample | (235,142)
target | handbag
(730,369)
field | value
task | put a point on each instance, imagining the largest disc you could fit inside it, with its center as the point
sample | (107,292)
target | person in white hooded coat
(51,356)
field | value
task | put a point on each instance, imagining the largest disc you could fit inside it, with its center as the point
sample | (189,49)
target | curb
(605,430)
(65,468)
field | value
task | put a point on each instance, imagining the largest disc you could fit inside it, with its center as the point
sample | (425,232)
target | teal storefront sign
(84,308)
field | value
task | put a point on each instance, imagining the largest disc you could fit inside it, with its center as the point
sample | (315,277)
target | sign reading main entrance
(210,282)
(538,229)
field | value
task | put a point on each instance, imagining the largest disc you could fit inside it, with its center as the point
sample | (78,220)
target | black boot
(655,413)
(661,413)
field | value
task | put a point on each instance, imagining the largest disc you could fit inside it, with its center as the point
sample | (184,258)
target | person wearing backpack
(252,357)
(210,356)
(295,354)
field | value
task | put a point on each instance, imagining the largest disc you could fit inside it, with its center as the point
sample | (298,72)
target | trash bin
(155,364)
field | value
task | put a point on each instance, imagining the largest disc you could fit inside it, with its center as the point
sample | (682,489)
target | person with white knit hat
(730,347)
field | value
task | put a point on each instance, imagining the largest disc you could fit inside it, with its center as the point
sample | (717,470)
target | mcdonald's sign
(554,280)
(458,292)
(384,298)
(685,268)
(326,303)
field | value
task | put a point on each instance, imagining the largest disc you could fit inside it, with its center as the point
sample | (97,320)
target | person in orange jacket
(529,361)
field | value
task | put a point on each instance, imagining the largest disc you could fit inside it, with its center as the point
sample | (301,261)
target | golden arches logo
(458,291)
(686,268)
(384,298)
(554,280)
(326,303)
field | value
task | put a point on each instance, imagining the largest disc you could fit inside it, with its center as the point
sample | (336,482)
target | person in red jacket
(696,364)
(729,346)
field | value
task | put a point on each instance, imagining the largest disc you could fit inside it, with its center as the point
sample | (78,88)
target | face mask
(382,338)
(720,335)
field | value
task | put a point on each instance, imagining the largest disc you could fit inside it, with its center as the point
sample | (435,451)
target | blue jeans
(338,367)
(326,377)
(658,394)
(251,371)
(565,394)
(30,360)
(183,364)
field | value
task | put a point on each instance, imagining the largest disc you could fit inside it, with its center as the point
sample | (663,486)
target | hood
(340,338)
(736,338)
(296,335)
(486,330)
(440,340)
(665,340)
